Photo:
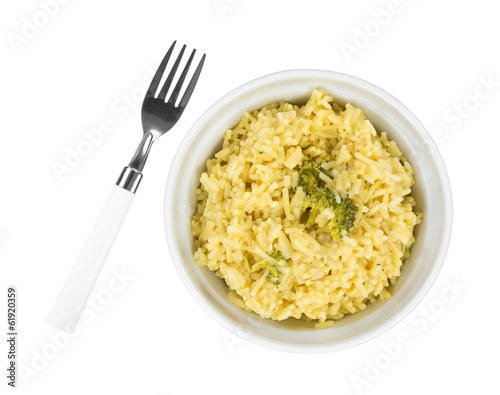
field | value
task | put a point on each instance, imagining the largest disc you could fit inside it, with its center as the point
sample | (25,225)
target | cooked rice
(248,204)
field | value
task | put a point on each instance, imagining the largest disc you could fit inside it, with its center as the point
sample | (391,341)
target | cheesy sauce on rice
(249,224)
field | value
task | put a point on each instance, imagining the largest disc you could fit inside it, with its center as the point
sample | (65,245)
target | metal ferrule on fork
(129,179)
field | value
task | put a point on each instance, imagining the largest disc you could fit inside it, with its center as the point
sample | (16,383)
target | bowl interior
(431,191)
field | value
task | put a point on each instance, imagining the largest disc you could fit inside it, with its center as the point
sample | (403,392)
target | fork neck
(131,175)
(141,154)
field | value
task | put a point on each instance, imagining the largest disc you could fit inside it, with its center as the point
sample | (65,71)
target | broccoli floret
(345,215)
(273,273)
(278,255)
(320,196)
(309,176)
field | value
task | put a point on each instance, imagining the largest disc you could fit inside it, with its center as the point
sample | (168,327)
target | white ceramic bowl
(431,191)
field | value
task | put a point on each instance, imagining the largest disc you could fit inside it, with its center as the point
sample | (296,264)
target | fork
(159,115)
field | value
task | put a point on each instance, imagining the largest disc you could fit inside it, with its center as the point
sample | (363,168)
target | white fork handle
(72,299)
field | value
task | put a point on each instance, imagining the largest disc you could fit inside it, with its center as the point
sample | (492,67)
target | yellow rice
(246,205)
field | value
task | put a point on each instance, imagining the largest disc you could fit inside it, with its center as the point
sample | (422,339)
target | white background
(148,335)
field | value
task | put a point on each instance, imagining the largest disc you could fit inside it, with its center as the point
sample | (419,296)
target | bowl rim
(285,346)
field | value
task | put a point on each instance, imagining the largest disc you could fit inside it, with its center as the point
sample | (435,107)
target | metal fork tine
(153,87)
(192,84)
(178,86)
(166,85)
